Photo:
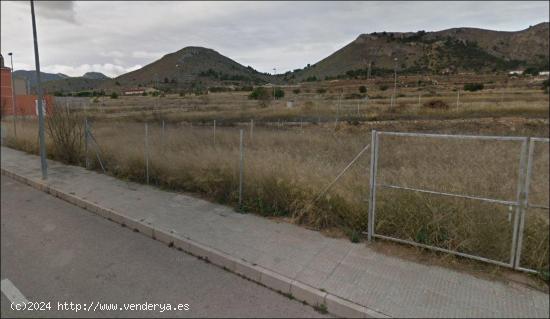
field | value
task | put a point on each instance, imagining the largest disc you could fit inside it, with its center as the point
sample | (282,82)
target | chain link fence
(463,195)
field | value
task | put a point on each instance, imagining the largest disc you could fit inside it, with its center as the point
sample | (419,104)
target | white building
(517,72)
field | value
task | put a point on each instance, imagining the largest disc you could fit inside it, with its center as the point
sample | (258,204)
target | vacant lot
(292,154)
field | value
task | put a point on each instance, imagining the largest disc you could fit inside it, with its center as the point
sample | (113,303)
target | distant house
(517,72)
(544,73)
(134,91)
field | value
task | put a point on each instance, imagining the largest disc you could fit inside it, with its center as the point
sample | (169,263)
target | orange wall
(5,89)
(26,105)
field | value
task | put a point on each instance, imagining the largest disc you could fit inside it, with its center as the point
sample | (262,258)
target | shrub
(144,93)
(114,95)
(545,85)
(259,93)
(353,96)
(383,87)
(531,71)
(279,93)
(66,130)
(362,89)
(321,90)
(436,104)
(472,87)
(296,91)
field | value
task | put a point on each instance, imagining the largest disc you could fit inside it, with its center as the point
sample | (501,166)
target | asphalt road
(55,252)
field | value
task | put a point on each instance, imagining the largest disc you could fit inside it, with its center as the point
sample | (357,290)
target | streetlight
(13,95)
(395,82)
(274,72)
(42,140)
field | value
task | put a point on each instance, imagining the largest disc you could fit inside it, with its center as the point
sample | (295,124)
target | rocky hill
(189,68)
(95,76)
(44,77)
(452,50)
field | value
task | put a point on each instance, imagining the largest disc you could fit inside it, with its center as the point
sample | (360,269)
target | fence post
(457,99)
(520,195)
(86,143)
(146,153)
(251,129)
(524,187)
(241,169)
(372,197)
(214,132)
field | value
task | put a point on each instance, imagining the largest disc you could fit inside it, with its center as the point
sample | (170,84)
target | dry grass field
(292,154)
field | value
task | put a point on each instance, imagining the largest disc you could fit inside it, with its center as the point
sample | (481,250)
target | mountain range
(447,51)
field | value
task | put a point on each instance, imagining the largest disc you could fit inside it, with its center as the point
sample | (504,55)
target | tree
(296,91)
(114,95)
(362,89)
(472,87)
(260,94)
(279,93)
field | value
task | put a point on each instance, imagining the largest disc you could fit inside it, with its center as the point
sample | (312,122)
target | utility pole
(42,140)
(368,71)
(274,72)
(394,83)
(457,99)
(13,96)
(158,92)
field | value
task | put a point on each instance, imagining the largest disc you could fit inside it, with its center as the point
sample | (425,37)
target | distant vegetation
(472,87)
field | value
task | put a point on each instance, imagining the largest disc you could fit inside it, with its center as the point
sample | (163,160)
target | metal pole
(86,142)
(214,132)
(146,153)
(338,109)
(524,203)
(241,169)
(42,139)
(251,129)
(418,98)
(13,96)
(519,198)
(457,99)
(394,100)
(372,197)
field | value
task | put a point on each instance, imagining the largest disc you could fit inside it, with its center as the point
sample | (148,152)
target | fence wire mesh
(463,195)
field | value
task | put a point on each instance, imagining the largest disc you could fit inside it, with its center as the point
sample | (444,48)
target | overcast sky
(117,37)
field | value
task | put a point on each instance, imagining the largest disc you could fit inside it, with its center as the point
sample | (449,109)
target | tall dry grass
(285,169)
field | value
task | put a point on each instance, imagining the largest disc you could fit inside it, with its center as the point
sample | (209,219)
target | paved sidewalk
(383,284)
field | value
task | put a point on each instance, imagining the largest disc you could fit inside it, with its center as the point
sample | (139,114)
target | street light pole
(42,140)
(394,83)
(13,96)
(274,71)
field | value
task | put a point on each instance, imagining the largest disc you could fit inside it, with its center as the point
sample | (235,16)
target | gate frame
(521,203)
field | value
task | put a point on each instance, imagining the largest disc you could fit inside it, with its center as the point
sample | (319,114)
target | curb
(265,277)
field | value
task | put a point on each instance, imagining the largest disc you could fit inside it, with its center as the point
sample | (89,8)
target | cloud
(54,10)
(120,35)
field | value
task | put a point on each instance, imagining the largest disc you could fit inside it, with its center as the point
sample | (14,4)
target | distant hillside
(71,85)
(44,77)
(452,50)
(62,83)
(95,76)
(189,68)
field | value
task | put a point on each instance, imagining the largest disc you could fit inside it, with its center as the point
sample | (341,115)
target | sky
(75,37)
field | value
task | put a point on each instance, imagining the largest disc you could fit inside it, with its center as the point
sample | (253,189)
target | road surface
(54,254)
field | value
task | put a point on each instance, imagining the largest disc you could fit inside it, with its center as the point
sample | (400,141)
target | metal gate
(498,218)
